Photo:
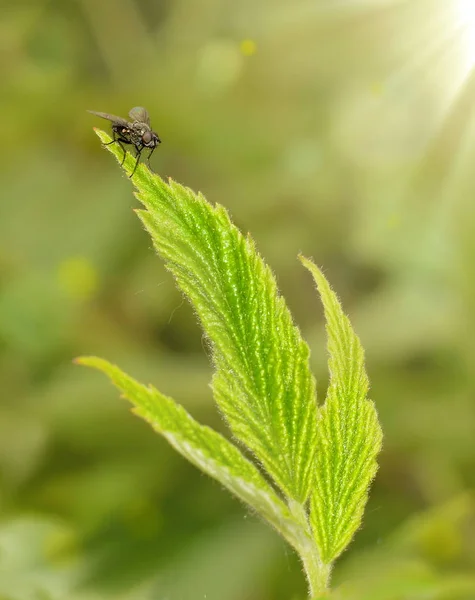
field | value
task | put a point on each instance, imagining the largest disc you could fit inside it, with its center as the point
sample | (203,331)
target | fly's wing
(112,118)
(140,114)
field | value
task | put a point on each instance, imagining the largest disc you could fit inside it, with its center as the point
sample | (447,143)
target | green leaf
(349,434)
(262,384)
(202,446)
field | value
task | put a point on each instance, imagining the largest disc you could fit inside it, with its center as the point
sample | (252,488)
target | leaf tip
(303,259)
(80,360)
(89,361)
(317,273)
(99,132)
(312,267)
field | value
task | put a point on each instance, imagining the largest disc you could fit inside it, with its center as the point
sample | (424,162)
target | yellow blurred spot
(377,88)
(394,221)
(219,66)
(441,541)
(248,47)
(60,547)
(78,278)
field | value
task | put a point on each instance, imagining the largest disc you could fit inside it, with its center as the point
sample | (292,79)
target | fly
(137,132)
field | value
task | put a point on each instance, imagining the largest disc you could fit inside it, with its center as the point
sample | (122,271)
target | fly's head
(150,139)
(144,135)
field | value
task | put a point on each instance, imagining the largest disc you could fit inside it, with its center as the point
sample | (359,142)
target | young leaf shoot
(319,461)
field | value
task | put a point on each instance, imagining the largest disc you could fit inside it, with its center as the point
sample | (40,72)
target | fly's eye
(147,137)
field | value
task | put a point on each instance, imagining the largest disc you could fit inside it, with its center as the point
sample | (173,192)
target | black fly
(136,132)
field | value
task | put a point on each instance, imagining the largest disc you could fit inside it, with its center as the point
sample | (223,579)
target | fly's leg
(139,152)
(148,157)
(119,140)
(123,150)
(114,139)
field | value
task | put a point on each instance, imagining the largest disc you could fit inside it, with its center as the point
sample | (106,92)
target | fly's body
(137,132)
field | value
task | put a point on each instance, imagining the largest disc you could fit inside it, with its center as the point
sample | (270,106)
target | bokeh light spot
(220,65)
(394,221)
(78,278)
(377,88)
(248,47)
(60,547)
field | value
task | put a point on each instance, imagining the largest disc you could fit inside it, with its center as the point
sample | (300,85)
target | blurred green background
(340,129)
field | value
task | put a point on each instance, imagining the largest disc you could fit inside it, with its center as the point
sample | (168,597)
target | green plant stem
(317,572)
